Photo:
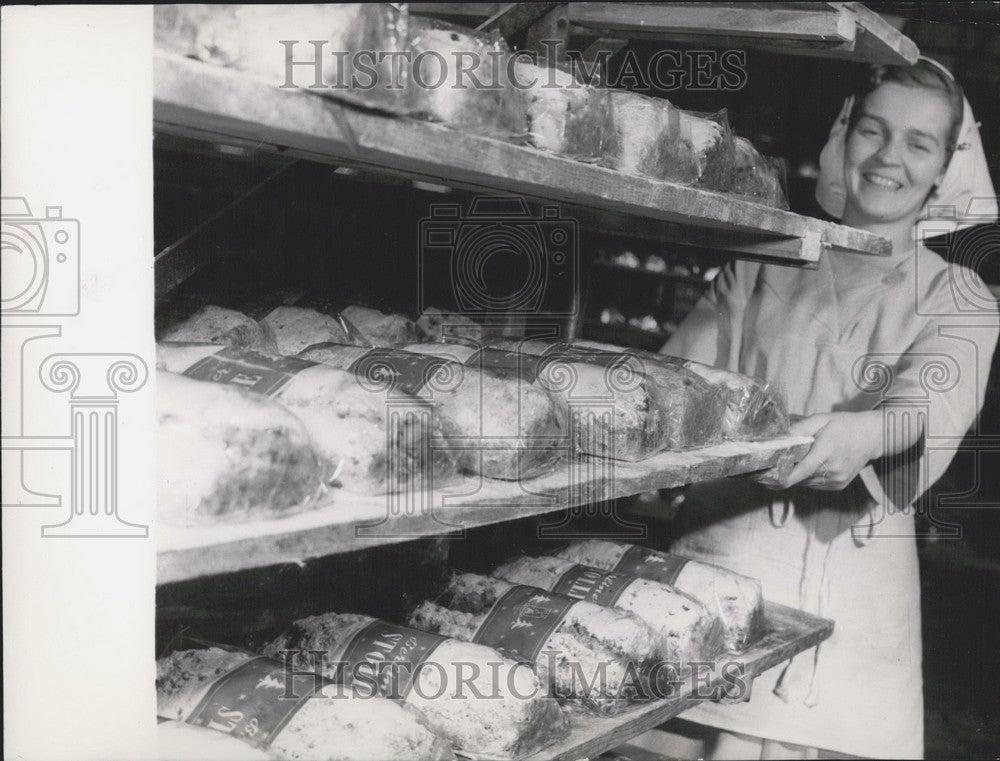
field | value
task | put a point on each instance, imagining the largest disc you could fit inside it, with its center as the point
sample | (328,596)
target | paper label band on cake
(523,366)
(405,371)
(379,651)
(650,564)
(521,621)
(593,585)
(255,700)
(246,368)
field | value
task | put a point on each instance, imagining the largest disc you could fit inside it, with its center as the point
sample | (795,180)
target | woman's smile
(881,181)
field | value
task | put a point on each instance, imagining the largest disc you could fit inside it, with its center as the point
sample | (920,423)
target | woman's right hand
(844,443)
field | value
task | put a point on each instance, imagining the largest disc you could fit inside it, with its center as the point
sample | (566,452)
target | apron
(854,333)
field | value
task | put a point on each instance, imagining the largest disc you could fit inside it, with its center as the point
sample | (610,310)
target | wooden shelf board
(877,41)
(789,632)
(356,521)
(771,22)
(194,99)
(841,30)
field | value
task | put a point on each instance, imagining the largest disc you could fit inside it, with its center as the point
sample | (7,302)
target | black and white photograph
(501,381)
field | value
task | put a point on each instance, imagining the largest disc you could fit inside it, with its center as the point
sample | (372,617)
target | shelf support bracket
(513,18)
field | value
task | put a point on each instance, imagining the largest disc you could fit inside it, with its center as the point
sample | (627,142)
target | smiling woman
(854,343)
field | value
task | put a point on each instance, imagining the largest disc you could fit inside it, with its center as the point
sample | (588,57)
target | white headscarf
(965,196)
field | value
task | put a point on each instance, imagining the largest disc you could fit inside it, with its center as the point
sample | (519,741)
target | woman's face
(896,152)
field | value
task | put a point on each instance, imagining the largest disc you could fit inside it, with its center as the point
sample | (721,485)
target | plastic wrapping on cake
(378,441)
(501,710)
(599,658)
(564,115)
(217,325)
(458,77)
(755,409)
(486,418)
(346,66)
(736,600)
(296,327)
(711,142)
(623,406)
(441,325)
(244,695)
(177,741)
(757,177)
(688,631)
(649,139)
(751,408)
(227,455)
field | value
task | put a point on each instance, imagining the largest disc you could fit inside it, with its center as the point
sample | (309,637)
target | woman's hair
(924,73)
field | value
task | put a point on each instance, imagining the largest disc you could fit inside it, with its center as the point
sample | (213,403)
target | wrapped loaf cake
(734,598)
(757,177)
(622,407)
(441,325)
(380,329)
(649,139)
(245,696)
(374,444)
(711,144)
(247,38)
(602,658)
(565,116)
(459,79)
(489,422)
(177,741)
(482,702)
(688,632)
(296,328)
(225,454)
(216,325)
(752,409)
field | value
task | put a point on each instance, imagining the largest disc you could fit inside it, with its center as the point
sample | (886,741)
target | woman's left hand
(845,442)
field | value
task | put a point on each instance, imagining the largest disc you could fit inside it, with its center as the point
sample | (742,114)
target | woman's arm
(934,392)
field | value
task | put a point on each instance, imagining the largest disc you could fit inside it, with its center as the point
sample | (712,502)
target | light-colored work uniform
(844,337)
